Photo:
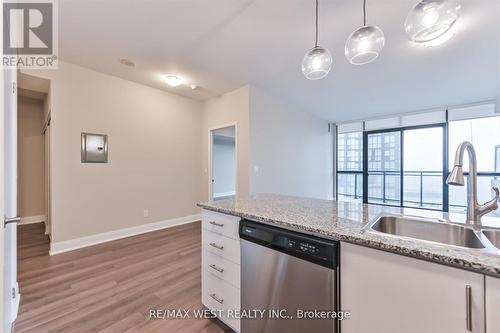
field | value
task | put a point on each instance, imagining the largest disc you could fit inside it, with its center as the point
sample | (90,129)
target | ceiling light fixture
(173,80)
(318,61)
(430,19)
(365,43)
(127,62)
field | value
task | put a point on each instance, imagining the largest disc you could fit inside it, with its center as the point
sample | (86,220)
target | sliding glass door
(350,166)
(383,167)
(405,167)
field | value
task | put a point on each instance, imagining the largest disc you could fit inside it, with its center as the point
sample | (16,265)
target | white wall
(154,153)
(224,165)
(229,108)
(292,149)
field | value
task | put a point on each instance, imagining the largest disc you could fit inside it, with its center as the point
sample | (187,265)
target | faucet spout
(474,210)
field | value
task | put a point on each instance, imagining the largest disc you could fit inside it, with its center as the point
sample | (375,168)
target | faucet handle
(490,205)
(497,195)
(493,203)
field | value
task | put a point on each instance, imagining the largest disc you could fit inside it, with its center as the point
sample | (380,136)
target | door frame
(210,157)
(47,176)
(11,297)
(401,130)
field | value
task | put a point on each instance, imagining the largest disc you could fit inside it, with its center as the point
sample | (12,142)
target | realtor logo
(30,34)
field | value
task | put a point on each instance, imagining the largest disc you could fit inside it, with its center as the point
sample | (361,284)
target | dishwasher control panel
(305,247)
(308,247)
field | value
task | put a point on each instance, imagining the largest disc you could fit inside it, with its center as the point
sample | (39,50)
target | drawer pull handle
(218,269)
(216,224)
(220,300)
(468,308)
(218,247)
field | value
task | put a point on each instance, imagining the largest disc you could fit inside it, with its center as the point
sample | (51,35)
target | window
(483,133)
(350,166)
(384,165)
(408,166)
(423,168)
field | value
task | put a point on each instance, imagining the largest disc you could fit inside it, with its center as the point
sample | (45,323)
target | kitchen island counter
(346,221)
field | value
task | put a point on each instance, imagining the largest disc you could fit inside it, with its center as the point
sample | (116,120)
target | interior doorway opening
(223,162)
(33,187)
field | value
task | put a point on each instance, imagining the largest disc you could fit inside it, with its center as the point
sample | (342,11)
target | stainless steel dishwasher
(286,270)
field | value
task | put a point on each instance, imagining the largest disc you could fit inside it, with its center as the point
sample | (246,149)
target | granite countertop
(346,221)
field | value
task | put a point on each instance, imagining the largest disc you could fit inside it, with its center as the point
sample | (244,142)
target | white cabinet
(220,275)
(492,304)
(390,293)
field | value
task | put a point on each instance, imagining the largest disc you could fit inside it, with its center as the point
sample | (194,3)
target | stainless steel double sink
(438,231)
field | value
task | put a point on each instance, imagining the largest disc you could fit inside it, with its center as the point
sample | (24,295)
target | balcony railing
(385,188)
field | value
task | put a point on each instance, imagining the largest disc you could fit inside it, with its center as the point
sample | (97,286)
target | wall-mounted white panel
(471,112)
(426,118)
(382,123)
(350,127)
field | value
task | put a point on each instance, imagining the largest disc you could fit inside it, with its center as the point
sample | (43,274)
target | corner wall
(292,150)
(281,148)
(229,108)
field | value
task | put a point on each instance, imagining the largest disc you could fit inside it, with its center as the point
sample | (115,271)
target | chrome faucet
(474,210)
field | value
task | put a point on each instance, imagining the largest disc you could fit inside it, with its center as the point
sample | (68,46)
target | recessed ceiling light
(127,62)
(194,87)
(173,80)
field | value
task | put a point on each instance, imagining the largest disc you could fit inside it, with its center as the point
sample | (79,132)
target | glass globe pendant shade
(430,19)
(364,45)
(316,63)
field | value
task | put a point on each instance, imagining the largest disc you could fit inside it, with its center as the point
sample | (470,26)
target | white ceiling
(221,45)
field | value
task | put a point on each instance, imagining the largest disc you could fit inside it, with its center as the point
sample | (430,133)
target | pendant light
(430,19)
(318,61)
(364,44)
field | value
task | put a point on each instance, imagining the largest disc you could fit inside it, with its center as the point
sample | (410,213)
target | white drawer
(221,246)
(223,224)
(217,294)
(221,268)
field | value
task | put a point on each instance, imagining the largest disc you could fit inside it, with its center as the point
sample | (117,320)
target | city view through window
(422,157)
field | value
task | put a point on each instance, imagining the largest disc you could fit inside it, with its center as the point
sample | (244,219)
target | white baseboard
(32,219)
(78,243)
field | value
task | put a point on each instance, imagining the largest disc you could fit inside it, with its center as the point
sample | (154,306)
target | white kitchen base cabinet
(492,305)
(390,293)
(220,256)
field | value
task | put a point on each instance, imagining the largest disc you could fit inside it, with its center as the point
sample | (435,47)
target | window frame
(478,173)
(352,172)
(445,197)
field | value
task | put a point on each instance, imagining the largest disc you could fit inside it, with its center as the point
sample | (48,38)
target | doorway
(33,186)
(222,176)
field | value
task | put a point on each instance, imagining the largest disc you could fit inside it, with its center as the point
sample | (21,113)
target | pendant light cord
(316,41)
(364,12)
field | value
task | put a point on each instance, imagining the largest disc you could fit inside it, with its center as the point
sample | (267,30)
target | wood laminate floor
(111,287)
